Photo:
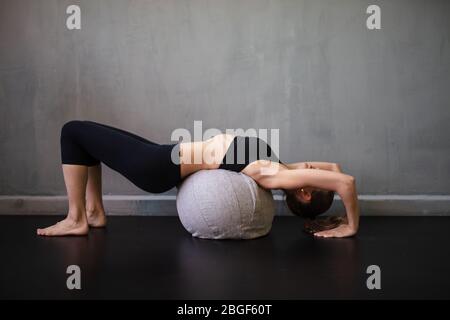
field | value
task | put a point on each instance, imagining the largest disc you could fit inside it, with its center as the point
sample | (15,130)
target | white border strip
(165,205)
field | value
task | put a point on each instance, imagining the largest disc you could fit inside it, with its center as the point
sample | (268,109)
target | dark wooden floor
(155,258)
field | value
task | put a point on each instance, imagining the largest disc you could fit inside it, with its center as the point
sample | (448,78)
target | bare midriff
(203,155)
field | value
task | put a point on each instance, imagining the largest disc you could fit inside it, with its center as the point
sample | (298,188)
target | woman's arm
(330,166)
(343,184)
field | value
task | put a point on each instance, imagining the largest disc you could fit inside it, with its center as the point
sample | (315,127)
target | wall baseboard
(164,205)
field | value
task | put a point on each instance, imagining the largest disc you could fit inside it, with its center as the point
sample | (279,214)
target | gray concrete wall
(377,102)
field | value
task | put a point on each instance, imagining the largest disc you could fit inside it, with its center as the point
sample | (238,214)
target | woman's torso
(209,154)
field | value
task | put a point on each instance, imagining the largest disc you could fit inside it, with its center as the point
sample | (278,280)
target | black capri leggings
(146,164)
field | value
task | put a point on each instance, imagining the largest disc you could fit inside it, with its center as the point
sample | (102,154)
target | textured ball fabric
(221,204)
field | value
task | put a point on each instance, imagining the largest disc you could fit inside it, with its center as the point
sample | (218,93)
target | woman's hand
(342,231)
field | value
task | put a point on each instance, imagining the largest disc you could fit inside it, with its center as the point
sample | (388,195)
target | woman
(309,187)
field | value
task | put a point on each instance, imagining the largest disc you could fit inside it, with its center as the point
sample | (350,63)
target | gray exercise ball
(221,204)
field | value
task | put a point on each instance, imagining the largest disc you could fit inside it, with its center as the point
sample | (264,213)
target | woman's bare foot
(96,218)
(66,227)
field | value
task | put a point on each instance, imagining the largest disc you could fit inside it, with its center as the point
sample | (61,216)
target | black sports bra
(245,150)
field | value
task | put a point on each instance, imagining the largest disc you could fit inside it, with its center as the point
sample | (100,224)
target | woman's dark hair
(321,201)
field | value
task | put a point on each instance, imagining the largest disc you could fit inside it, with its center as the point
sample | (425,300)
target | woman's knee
(71,127)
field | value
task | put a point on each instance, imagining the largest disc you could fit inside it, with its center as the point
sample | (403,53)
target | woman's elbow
(351,180)
(347,184)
